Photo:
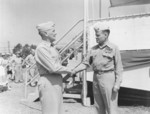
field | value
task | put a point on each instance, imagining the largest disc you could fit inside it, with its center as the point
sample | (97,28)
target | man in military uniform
(50,70)
(29,61)
(106,62)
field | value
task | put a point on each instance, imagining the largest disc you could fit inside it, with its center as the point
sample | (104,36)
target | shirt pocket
(107,57)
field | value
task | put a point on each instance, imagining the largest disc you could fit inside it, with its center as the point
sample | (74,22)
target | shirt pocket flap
(108,55)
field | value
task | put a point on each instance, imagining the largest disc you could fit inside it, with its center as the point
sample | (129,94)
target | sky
(18,18)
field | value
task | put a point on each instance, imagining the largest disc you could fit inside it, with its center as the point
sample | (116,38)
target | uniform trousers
(105,99)
(50,92)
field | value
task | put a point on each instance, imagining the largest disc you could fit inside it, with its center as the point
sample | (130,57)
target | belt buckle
(100,72)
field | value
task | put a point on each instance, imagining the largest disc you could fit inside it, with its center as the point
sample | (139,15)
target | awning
(134,59)
(115,3)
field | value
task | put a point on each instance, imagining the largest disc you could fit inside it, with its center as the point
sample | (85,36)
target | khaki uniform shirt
(48,60)
(106,58)
(18,60)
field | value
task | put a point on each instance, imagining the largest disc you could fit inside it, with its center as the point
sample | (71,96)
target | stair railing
(70,43)
(71,53)
(68,31)
(26,79)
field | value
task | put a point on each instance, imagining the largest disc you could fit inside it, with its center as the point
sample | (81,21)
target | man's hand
(115,88)
(73,72)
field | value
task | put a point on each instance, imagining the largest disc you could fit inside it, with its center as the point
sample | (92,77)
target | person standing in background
(18,69)
(4,79)
(29,61)
(12,66)
(2,70)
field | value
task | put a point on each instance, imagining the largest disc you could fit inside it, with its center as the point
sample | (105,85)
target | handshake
(73,72)
(77,69)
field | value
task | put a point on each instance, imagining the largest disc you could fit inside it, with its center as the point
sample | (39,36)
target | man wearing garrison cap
(106,62)
(50,70)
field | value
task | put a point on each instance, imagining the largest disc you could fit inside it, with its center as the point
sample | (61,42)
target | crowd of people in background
(12,69)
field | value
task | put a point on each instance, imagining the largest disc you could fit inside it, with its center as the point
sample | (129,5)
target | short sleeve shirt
(104,58)
(48,59)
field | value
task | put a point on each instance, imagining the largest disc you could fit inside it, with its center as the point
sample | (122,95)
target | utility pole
(9,47)
(100,9)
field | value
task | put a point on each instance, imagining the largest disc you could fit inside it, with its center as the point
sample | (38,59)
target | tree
(25,50)
(17,48)
(33,46)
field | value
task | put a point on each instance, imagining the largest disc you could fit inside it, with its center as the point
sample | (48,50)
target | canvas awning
(115,3)
(134,59)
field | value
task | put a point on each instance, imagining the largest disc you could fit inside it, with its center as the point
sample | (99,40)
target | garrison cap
(101,27)
(45,26)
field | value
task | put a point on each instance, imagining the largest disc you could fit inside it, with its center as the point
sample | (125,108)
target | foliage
(24,51)
(33,46)
(17,48)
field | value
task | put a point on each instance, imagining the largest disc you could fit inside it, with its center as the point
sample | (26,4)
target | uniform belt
(48,74)
(104,71)
(43,74)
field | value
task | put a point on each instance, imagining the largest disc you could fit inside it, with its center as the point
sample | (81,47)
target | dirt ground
(11,103)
